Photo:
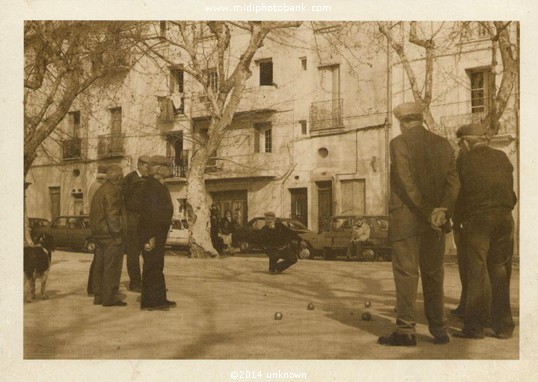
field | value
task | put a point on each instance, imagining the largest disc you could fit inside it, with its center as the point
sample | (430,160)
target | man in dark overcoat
(424,186)
(132,187)
(155,219)
(107,220)
(485,206)
(277,240)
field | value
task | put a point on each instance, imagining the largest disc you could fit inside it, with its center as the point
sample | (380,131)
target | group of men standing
(428,188)
(131,215)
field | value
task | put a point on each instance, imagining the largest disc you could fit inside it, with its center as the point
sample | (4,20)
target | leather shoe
(117,303)
(171,304)
(152,308)
(442,340)
(398,339)
(135,289)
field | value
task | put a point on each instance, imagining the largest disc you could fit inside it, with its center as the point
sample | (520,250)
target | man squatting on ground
(424,186)
(484,210)
(132,187)
(276,238)
(155,218)
(107,220)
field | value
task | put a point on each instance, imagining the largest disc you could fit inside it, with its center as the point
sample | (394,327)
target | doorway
(299,205)
(325,202)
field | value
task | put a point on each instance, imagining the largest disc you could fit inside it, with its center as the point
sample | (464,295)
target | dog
(37,260)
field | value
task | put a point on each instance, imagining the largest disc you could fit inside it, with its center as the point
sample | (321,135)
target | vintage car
(72,232)
(249,237)
(178,236)
(334,237)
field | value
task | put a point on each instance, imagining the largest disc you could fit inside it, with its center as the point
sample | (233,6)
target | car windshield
(294,224)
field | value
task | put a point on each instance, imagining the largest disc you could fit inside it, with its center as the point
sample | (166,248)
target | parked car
(178,236)
(249,237)
(70,232)
(334,237)
(36,224)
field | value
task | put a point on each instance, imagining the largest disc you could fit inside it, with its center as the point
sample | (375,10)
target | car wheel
(89,247)
(244,246)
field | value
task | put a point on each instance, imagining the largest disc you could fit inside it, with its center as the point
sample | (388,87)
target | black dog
(37,262)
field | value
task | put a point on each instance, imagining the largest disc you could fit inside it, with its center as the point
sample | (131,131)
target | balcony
(72,149)
(327,115)
(109,146)
(179,164)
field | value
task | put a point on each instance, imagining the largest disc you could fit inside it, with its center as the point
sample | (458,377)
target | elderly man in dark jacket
(132,186)
(107,219)
(276,240)
(424,186)
(484,209)
(155,219)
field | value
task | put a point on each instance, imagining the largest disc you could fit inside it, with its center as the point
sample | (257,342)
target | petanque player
(277,239)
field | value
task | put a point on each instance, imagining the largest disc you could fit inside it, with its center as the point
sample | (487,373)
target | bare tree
(63,59)
(199,47)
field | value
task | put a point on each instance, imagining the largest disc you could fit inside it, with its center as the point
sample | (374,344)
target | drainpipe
(388,125)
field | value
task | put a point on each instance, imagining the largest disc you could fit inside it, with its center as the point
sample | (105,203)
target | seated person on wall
(359,236)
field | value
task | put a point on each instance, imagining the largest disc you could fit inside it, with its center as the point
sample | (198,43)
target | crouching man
(277,239)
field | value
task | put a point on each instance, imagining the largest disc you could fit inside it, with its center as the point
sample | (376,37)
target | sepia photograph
(264,195)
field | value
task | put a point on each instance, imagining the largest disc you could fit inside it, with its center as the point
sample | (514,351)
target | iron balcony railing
(327,115)
(110,146)
(179,164)
(72,149)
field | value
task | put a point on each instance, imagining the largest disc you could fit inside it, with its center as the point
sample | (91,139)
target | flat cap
(144,159)
(102,169)
(408,109)
(471,129)
(270,214)
(159,160)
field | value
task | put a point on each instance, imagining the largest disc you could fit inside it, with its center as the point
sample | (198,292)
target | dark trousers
(133,247)
(462,268)
(280,260)
(153,284)
(89,288)
(107,270)
(425,252)
(489,247)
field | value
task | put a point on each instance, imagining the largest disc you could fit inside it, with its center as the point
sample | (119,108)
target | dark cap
(472,129)
(144,159)
(270,214)
(159,160)
(408,109)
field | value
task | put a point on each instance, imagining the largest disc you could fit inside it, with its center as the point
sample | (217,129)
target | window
(60,223)
(482,88)
(176,80)
(303,62)
(263,139)
(74,124)
(303,127)
(266,73)
(115,121)
(213,79)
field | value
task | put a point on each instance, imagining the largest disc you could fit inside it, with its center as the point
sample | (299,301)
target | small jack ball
(366,316)
(310,306)
(367,304)
(278,316)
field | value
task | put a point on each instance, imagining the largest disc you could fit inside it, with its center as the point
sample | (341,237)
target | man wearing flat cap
(132,187)
(107,220)
(155,218)
(277,239)
(424,186)
(484,211)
